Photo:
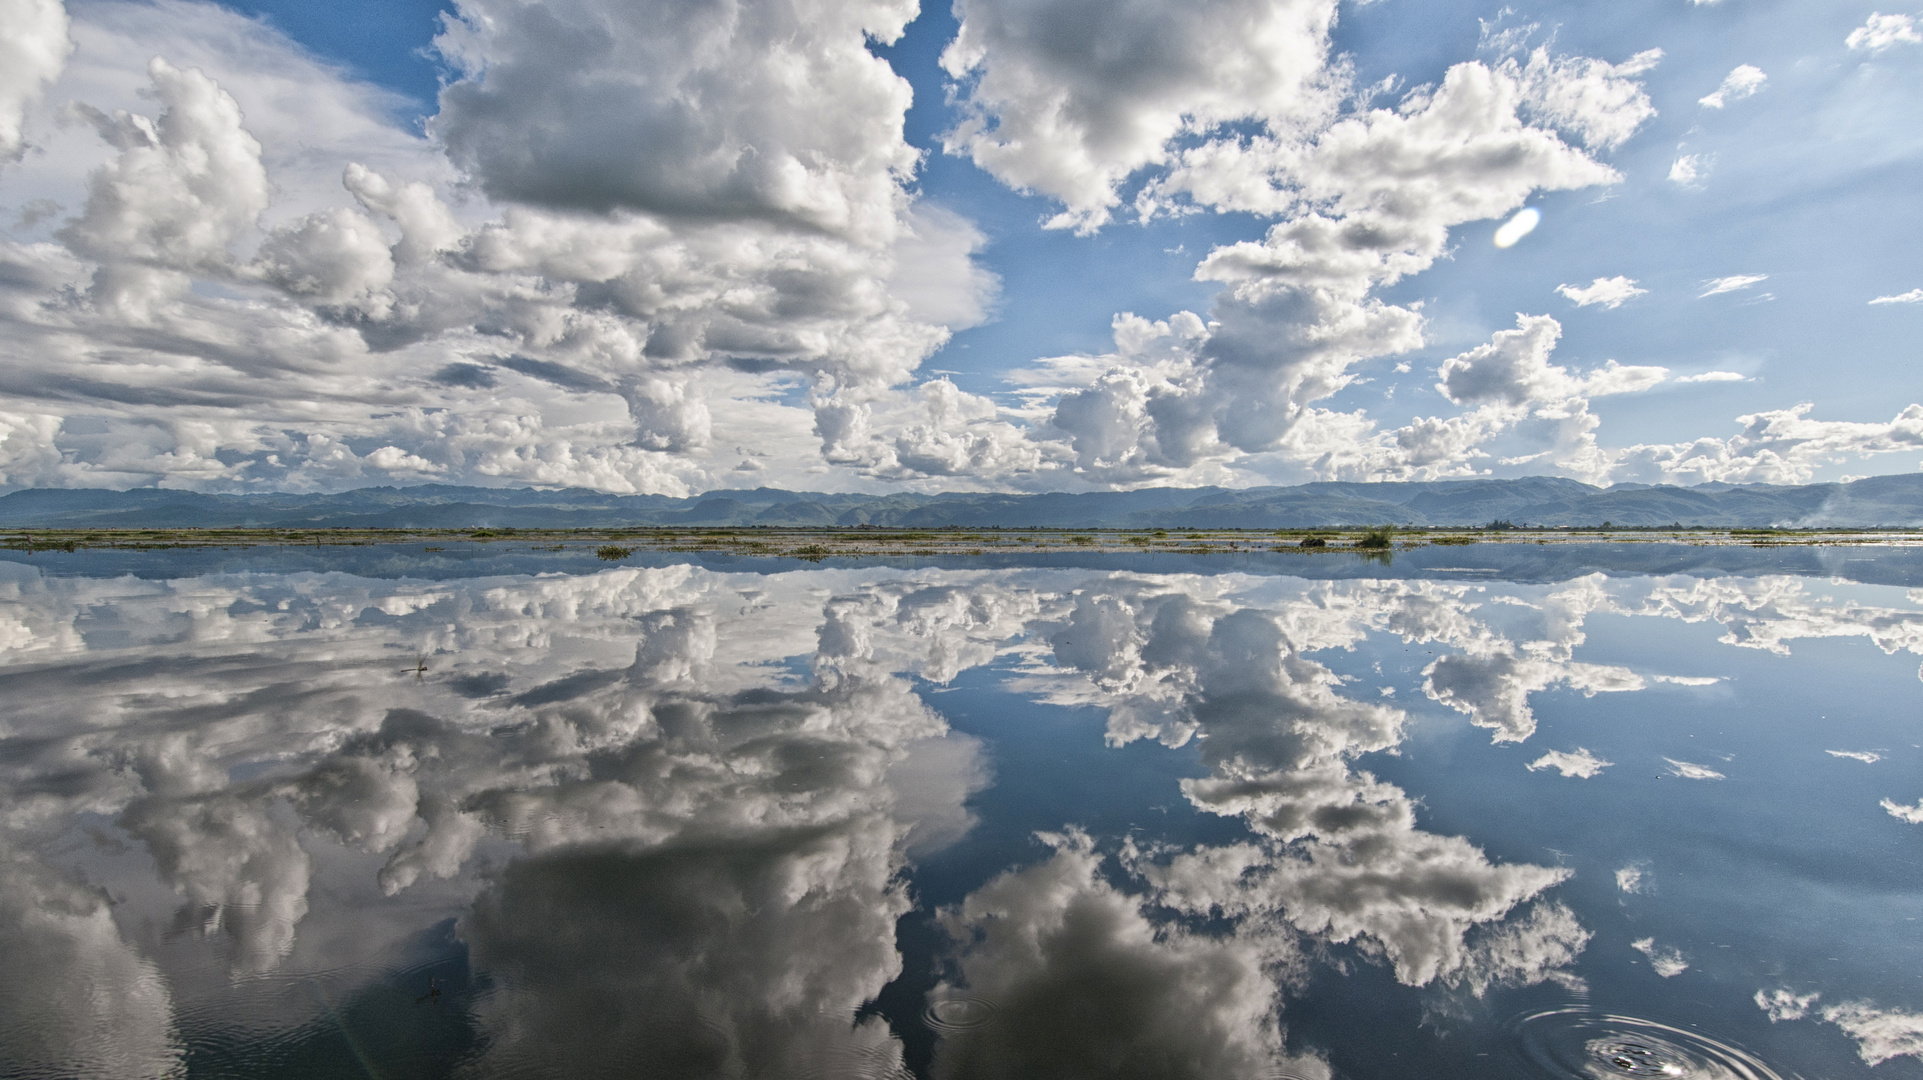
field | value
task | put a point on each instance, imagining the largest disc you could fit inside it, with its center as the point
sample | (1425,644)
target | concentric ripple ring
(958,1013)
(1580,1044)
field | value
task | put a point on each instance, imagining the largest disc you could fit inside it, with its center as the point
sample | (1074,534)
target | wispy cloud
(1880,1034)
(1911,814)
(1706,376)
(1732,283)
(1914,296)
(1785,1004)
(1689,170)
(1610,292)
(1581,764)
(1690,771)
(1867,757)
(1666,961)
(1630,879)
(1740,83)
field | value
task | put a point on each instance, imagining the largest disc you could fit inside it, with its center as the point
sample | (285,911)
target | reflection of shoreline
(1510,559)
(866,542)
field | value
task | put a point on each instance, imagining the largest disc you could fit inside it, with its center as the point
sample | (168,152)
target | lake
(1483,811)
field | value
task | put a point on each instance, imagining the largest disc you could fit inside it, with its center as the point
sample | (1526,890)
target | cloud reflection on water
(676,810)
(77,999)
(1337,853)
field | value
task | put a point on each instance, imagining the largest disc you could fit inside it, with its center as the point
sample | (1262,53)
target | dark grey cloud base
(1879,501)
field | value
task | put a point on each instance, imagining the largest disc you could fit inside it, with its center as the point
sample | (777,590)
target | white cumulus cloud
(1882,31)
(1779,446)
(34,47)
(1069,99)
(640,238)
(184,188)
(543,304)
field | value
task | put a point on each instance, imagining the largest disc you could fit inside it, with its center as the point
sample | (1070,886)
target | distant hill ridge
(1542,500)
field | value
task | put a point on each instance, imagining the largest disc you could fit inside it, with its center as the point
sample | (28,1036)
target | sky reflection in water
(953,821)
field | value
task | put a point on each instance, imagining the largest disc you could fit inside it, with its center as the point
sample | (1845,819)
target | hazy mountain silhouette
(1875,501)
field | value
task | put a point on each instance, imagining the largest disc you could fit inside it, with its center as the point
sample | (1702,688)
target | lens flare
(1518,227)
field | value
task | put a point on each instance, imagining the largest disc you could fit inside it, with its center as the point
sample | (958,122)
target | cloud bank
(661,248)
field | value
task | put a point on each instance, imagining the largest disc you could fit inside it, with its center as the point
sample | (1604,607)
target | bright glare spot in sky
(1518,227)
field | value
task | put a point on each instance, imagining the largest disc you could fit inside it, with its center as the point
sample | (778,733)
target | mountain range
(1891,501)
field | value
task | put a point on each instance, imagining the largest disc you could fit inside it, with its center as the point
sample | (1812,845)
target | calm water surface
(1501,811)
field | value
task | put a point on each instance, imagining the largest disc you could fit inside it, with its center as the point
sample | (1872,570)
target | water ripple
(1577,1044)
(956,1013)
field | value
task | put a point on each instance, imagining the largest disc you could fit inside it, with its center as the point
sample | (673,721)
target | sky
(673,246)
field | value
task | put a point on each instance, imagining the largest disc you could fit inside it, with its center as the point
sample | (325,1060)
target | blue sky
(676,247)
